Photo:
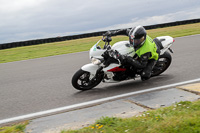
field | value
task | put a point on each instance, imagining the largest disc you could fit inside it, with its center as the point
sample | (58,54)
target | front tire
(162,64)
(82,81)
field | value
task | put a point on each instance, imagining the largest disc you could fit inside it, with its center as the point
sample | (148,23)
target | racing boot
(146,73)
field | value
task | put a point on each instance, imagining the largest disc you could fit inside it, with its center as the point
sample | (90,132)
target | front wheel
(83,81)
(162,64)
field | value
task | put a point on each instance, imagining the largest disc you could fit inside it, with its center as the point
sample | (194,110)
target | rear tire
(82,81)
(162,64)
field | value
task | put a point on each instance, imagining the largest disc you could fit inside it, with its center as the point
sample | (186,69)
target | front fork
(98,74)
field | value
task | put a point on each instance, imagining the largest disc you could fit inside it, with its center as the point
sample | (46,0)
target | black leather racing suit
(142,62)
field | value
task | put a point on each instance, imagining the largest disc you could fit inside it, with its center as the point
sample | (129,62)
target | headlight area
(95,61)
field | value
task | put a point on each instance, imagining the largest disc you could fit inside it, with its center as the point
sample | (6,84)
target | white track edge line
(37,114)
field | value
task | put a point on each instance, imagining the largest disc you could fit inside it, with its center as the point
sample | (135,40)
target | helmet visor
(138,42)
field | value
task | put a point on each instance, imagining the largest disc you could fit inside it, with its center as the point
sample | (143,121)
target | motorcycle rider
(147,51)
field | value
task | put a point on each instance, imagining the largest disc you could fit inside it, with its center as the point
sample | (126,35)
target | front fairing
(96,52)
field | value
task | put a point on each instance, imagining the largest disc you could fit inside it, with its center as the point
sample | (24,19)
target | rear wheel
(162,64)
(82,80)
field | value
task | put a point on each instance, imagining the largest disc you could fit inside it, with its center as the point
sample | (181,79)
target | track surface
(45,83)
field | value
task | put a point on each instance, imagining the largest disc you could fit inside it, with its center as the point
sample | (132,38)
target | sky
(23,20)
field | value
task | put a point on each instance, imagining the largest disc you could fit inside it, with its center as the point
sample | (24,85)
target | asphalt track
(45,83)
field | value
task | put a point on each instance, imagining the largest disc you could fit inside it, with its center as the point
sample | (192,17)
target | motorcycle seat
(159,43)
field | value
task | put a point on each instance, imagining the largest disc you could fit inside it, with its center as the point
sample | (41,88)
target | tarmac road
(45,83)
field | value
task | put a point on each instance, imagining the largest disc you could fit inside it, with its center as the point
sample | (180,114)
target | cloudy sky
(35,19)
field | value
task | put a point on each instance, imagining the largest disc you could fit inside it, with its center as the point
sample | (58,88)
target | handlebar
(107,39)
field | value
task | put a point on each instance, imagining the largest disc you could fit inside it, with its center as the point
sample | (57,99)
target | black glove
(108,33)
(122,58)
(115,54)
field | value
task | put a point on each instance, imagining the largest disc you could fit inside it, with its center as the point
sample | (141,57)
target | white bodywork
(90,68)
(166,43)
(95,52)
(124,48)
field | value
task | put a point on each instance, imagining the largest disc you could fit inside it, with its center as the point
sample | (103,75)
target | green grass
(183,117)
(17,128)
(78,45)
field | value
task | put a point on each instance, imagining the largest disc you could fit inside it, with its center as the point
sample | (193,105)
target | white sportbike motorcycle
(106,67)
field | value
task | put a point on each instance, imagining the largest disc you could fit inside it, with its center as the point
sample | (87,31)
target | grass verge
(78,45)
(182,117)
(17,128)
